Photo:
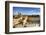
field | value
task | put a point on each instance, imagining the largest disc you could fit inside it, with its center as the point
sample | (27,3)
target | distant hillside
(30,15)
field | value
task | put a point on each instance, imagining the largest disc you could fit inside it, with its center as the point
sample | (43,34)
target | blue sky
(26,10)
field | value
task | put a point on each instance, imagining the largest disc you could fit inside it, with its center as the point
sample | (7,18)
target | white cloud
(29,13)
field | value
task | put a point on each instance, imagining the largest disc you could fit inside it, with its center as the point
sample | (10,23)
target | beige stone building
(26,21)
